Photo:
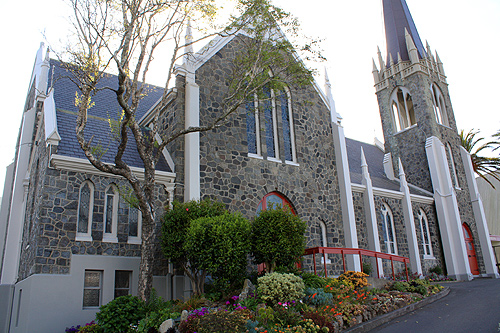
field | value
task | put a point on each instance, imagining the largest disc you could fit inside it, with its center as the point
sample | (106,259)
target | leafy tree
(278,238)
(220,245)
(483,166)
(123,36)
(175,226)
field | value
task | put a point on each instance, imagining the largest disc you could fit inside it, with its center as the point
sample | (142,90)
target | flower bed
(280,303)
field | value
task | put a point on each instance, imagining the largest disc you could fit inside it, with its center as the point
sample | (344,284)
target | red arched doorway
(272,199)
(471,252)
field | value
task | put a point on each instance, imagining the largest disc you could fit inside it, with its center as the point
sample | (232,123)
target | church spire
(397,20)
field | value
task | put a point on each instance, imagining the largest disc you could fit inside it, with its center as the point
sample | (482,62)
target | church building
(69,242)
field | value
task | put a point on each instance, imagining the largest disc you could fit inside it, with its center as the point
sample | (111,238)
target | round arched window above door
(274,199)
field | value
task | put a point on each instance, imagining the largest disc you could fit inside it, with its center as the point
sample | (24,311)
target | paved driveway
(469,307)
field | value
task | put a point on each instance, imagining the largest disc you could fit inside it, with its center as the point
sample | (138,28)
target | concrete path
(469,307)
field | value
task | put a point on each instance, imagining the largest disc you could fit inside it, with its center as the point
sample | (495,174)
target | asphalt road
(469,307)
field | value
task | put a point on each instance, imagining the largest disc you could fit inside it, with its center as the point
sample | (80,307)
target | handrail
(361,252)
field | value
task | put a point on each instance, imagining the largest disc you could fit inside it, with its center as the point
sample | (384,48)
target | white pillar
(411,233)
(479,216)
(370,214)
(192,141)
(450,224)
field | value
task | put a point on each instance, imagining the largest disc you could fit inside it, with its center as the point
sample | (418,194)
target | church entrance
(471,252)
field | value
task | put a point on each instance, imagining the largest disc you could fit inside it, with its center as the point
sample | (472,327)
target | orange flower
(314,295)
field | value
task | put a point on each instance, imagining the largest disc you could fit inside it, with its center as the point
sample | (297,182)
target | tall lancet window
(85,211)
(388,231)
(426,236)
(439,105)
(253,137)
(403,113)
(134,225)
(269,109)
(452,166)
(111,198)
(287,121)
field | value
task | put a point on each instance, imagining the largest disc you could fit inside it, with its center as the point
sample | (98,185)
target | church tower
(420,130)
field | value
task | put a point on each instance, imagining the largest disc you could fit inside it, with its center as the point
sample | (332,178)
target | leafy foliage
(120,313)
(176,222)
(220,245)
(312,280)
(277,238)
(483,166)
(317,296)
(223,321)
(277,287)
(358,279)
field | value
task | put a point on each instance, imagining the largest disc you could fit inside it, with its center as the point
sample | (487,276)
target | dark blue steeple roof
(397,17)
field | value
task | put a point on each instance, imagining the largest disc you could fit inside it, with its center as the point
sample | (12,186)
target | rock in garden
(248,288)
(184,315)
(169,323)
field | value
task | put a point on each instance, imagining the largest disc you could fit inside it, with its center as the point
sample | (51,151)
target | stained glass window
(389,234)
(287,135)
(251,127)
(133,219)
(110,194)
(84,208)
(269,122)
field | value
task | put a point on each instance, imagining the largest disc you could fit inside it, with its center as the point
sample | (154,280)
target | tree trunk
(147,259)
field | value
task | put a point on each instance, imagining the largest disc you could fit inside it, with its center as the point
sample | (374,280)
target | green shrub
(223,322)
(311,280)
(277,238)
(437,270)
(120,313)
(219,245)
(367,268)
(276,287)
(317,297)
(400,286)
(155,318)
(92,328)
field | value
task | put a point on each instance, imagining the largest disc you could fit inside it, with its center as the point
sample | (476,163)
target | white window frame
(387,212)
(292,130)
(257,129)
(129,289)
(275,129)
(426,241)
(85,236)
(135,239)
(111,237)
(101,273)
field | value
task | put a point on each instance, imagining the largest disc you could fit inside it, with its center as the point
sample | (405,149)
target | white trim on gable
(49,112)
(83,165)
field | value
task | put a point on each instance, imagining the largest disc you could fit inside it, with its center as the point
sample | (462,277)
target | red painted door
(471,253)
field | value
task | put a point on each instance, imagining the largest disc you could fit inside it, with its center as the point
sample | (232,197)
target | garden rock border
(385,318)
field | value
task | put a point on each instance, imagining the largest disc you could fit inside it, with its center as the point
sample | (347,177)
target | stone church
(69,242)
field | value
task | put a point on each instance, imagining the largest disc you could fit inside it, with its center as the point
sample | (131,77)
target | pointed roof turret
(397,18)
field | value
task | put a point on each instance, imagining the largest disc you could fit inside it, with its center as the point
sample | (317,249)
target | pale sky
(466,35)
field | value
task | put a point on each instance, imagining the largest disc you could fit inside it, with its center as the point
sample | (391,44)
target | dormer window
(403,113)
(438,105)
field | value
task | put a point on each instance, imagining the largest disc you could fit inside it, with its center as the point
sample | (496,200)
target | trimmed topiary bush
(120,313)
(277,287)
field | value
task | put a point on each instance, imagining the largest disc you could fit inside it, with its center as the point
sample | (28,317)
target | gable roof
(375,160)
(105,107)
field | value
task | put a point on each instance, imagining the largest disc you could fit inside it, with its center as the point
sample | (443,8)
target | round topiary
(277,287)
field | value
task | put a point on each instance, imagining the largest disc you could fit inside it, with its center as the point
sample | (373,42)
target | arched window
(253,127)
(287,123)
(111,198)
(439,105)
(388,231)
(85,212)
(403,113)
(452,167)
(271,134)
(424,231)
(134,225)
(274,199)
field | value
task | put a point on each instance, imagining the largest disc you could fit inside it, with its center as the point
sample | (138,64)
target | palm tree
(483,166)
